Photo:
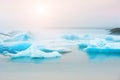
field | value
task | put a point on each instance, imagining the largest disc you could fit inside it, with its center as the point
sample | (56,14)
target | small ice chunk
(3,37)
(97,42)
(82,45)
(46,55)
(24,36)
(71,37)
(86,37)
(109,38)
(57,49)
(113,38)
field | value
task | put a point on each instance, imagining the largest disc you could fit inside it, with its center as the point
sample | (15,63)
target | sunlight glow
(41,10)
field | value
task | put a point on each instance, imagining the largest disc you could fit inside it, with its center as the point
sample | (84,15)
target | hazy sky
(38,14)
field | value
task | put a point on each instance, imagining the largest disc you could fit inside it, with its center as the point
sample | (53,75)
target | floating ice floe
(82,45)
(34,52)
(113,38)
(77,37)
(71,37)
(86,37)
(3,37)
(57,49)
(14,47)
(23,45)
(23,36)
(16,42)
(100,46)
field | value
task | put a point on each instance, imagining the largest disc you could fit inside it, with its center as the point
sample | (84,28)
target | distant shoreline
(80,27)
(115,31)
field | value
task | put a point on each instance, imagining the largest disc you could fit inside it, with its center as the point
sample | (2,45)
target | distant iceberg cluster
(95,46)
(23,44)
(96,43)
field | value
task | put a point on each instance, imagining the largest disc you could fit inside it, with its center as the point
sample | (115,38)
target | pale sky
(36,14)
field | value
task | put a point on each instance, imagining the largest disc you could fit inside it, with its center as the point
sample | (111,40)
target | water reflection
(102,56)
(34,60)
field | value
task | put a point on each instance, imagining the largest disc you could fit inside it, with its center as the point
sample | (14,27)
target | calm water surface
(76,65)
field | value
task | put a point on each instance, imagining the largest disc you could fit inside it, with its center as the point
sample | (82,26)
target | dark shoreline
(115,31)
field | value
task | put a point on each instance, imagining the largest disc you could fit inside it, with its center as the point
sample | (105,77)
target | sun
(41,10)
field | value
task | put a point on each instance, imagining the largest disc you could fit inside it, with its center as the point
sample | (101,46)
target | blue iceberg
(71,37)
(34,52)
(100,46)
(14,47)
(82,45)
(16,42)
(77,37)
(23,36)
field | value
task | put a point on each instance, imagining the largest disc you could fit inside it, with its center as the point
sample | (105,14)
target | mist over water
(74,65)
(75,30)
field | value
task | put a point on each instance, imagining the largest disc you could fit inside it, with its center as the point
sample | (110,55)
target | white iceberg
(34,52)
(112,38)
(102,46)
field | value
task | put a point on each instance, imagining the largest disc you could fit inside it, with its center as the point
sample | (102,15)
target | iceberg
(3,37)
(34,52)
(86,37)
(112,38)
(61,50)
(61,46)
(100,48)
(77,37)
(15,42)
(71,37)
(99,45)
(22,36)
(82,45)
(14,47)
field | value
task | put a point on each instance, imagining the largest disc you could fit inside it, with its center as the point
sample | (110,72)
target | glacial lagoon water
(75,64)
